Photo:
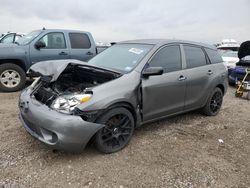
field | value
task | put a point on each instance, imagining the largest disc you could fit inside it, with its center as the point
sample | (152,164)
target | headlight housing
(67,103)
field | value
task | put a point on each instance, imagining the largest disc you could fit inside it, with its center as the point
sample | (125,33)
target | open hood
(244,49)
(51,68)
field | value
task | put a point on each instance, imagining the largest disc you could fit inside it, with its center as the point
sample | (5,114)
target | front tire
(12,77)
(118,130)
(214,103)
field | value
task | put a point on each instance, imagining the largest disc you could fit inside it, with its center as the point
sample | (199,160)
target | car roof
(166,41)
(61,30)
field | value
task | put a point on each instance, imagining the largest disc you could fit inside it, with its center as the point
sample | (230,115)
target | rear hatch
(244,54)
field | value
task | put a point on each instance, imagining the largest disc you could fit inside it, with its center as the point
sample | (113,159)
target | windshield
(121,57)
(28,38)
(230,54)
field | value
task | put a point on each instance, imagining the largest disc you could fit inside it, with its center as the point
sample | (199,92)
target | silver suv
(125,86)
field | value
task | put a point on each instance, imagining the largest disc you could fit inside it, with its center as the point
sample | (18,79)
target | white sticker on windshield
(135,50)
(134,62)
(128,68)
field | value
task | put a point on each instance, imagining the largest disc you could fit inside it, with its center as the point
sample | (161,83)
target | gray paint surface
(162,95)
(26,55)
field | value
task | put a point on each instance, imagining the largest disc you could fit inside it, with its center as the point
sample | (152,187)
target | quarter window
(54,41)
(79,41)
(214,56)
(169,58)
(195,56)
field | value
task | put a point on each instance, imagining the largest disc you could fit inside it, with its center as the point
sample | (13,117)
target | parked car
(228,44)
(41,45)
(125,86)
(230,58)
(8,38)
(237,74)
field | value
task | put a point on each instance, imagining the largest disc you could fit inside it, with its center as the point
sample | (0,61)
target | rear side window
(214,56)
(195,56)
(169,58)
(79,41)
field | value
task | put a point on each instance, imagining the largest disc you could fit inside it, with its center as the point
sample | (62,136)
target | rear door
(56,48)
(164,94)
(199,74)
(81,46)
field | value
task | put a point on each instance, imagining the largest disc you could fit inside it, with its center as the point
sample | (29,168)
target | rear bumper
(60,131)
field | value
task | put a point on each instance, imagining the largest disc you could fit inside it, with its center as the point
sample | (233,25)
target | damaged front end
(71,88)
(48,108)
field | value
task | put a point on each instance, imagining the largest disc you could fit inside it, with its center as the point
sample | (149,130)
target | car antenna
(44,28)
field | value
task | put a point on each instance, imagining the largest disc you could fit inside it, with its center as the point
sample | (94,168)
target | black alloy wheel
(118,130)
(214,103)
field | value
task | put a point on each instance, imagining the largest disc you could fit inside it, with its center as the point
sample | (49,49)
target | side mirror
(151,71)
(39,45)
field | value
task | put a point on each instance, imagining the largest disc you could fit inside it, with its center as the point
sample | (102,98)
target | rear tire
(214,103)
(118,130)
(12,77)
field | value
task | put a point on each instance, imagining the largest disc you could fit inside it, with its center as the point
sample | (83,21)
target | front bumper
(60,131)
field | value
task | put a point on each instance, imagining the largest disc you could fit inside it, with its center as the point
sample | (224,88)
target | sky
(116,20)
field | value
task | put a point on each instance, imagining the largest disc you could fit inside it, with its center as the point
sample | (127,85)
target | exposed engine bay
(72,87)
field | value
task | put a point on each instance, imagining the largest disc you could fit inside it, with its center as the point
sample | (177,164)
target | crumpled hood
(52,68)
(244,49)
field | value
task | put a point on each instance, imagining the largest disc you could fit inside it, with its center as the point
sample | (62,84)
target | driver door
(164,94)
(56,48)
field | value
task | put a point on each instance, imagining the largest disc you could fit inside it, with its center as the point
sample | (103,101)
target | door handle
(209,72)
(62,53)
(181,78)
(89,53)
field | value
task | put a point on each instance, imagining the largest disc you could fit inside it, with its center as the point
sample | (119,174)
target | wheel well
(17,62)
(222,88)
(126,105)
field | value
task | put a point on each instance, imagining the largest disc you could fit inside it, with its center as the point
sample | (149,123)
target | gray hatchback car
(129,84)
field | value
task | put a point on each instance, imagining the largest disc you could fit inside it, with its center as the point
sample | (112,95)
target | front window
(169,58)
(8,39)
(121,57)
(18,37)
(54,41)
(28,38)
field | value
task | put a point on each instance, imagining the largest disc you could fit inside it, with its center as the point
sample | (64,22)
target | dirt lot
(182,151)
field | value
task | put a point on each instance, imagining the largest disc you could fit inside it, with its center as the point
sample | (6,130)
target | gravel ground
(183,151)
